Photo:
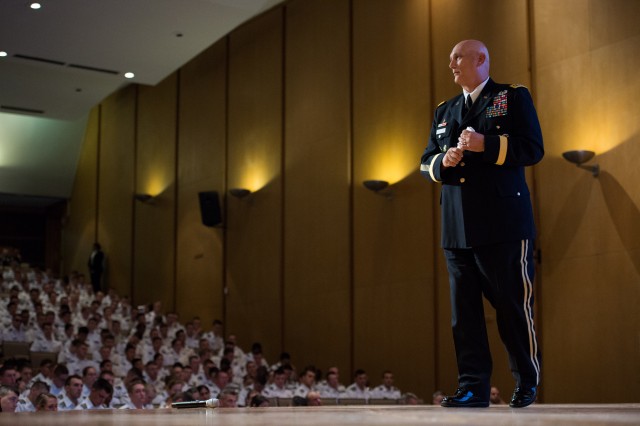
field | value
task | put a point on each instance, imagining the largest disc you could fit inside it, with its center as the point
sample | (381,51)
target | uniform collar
(476,92)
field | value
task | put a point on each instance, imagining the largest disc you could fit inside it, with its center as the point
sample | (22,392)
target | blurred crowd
(99,352)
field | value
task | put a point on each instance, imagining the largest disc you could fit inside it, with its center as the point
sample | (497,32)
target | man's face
(387,379)
(279,380)
(74,389)
(205,393)
(332,380)
(91,376)
(495,395)
(9,377)
(105,352)
(313,399)
(152,370)
(109,378)
(138,395)
(222,379)
(26,374)
(309,378)
(463,62)
(47,330)
(186,373)
(9,402)
(229,401)
(195,364)
(361,380)
(52,405)
(82,351)
(98,397)
(217,330)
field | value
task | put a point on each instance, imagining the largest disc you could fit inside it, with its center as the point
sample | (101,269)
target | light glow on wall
(157,182)
(254,171)
(392,160)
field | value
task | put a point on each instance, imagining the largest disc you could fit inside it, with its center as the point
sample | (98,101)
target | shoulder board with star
(517,85)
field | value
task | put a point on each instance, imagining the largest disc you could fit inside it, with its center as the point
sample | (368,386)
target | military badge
(499,107)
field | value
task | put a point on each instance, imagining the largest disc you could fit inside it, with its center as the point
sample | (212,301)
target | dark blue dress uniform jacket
(485,198)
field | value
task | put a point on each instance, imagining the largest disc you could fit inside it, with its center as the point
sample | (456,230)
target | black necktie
(467,105)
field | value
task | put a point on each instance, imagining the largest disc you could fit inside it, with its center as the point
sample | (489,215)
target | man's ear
(481,58)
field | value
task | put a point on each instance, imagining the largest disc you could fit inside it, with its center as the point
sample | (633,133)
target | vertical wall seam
(176,153)
(283,106)
(225,184)
(350,144)
(97,190)
(434,223)
(135,188)
(534,182)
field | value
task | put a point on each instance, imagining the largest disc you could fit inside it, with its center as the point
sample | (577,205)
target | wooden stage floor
(538,414)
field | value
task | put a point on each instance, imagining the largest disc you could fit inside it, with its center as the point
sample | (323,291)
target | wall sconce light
(375,185)
(144,198)
(239,192)
(579,157)
(379,187)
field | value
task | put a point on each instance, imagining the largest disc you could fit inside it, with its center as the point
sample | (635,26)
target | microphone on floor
(209,403)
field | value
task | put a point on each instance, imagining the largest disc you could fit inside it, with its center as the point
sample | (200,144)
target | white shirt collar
(476,92)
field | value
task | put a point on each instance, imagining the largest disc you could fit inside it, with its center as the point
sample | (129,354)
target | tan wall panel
(154,237)
(201,158)
(590,226)
(508,44)
(254,228)
(79,233)
(317,212)
(393,237)
(115,203)
(507,40)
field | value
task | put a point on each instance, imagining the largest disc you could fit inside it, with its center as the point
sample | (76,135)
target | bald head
(469,61)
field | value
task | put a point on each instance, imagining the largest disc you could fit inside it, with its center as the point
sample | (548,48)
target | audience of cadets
(110,355)
(359,388)
(386,390)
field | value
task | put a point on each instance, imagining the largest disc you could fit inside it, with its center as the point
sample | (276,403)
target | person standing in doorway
(96,267)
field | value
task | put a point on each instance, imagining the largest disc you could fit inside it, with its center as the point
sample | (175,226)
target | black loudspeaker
(210,208)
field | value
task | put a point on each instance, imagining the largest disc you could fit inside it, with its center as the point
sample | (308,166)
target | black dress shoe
(464,398)
(523,397)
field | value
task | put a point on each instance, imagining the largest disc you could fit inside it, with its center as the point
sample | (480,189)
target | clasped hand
(468,140)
